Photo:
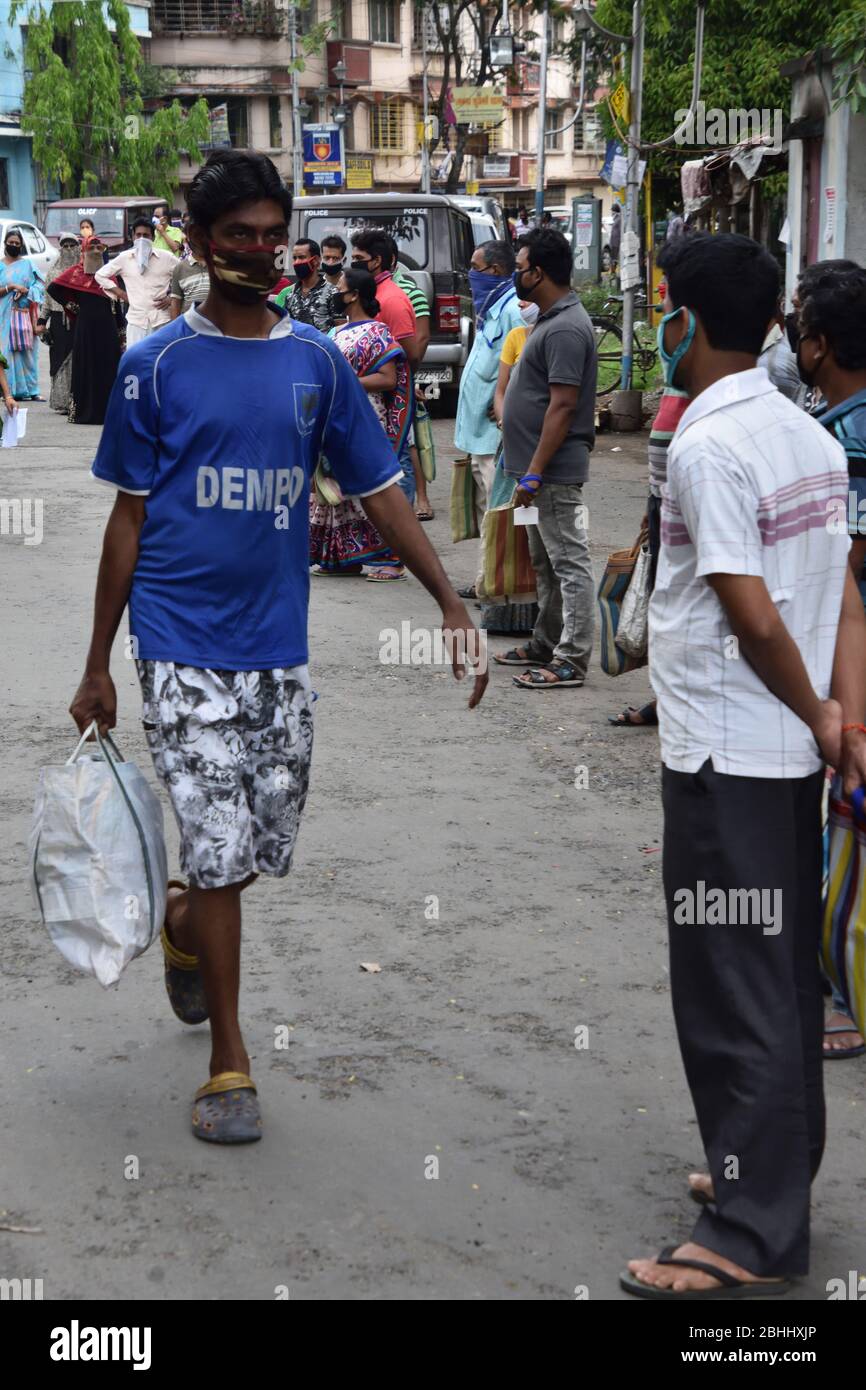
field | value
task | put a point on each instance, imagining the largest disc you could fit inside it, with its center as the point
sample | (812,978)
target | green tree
(83,103)
(745,43)
(848,40)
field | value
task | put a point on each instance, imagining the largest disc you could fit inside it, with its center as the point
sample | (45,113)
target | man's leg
(561,522)
(548,625)
(206,922)
(483,471)
(810,997)
(737,993)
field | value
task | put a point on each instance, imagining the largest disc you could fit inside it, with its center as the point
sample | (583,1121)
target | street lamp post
(631,233)
(542,119)
(297,135)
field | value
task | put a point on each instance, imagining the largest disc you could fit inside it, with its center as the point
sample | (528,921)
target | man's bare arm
(849,684)
(96,697)
(395,520)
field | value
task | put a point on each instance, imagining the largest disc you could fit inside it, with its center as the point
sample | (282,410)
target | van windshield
(106,221)
(408,227)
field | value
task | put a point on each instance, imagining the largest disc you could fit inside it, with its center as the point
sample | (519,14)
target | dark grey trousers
(748,1004)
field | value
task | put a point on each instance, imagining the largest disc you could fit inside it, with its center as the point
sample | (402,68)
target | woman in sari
(20,287)
(96,345)
(342,540)
(59,323)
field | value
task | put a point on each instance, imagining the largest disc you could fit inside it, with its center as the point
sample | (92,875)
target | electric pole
(297,133)
(542,119)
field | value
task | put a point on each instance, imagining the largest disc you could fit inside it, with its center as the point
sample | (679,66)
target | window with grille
(306,13)
(496,137)
(386,126)
(553,120)
(384,27)
(418,18)
(587,132)
(275,123)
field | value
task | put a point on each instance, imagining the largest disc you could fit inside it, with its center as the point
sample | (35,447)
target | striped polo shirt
(414,291)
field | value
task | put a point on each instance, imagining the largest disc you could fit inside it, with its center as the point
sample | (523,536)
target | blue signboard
(323,156)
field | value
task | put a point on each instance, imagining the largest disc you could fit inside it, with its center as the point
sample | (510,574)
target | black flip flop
(731,1286)
(648,717)
(513,657)
(841,1054)
(566,677)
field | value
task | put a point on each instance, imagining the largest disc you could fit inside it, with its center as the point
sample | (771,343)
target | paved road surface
(554,1164)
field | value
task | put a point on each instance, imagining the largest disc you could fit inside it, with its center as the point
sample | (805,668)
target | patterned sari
(17,341)
(341,536)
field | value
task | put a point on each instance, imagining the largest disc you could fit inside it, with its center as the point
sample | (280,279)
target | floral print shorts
(233,751)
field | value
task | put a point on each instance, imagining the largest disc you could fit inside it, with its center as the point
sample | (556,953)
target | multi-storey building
(236,54)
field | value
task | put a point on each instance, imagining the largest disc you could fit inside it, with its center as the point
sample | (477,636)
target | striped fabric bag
(611,591)
(843,937)
(424,442)
(20,330)
(464,526)
(508,571)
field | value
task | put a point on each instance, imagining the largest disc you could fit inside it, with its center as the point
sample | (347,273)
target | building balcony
(218,17)
(355,54)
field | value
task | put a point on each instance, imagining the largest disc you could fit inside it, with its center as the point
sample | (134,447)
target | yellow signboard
(477,105)
(472,187)
(620,103)
(359,172)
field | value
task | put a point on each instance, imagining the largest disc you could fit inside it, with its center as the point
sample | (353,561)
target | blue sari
(23,371)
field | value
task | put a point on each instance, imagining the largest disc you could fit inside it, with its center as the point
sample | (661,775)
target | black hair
(334,243)
(833,302)
(88,220)
(361,282)
(230,178)
(729,281)
(315,248)
(499,253)
(548,250)
(142,222)
(376,243)
(175,212)
(13,231)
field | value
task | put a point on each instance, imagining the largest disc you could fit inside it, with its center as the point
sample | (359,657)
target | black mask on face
(336,269)
(792,329)
(13,248)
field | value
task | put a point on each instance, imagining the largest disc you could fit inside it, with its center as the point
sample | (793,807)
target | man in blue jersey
(214,427)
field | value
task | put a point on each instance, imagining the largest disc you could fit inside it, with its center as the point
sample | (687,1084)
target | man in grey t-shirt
(548,429)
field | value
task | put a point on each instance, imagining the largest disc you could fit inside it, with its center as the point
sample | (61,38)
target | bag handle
(105,741)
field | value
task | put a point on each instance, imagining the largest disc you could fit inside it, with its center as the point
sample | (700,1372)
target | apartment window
(306,12)
(587,132)
(4,183)
(275,121)
(496,137)
(553,121)
(386,126)
(556,32)
(229,123)
(426,14)
(522,130)
(384,23)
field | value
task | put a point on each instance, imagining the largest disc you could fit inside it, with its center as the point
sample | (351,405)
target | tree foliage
(745,43)
(848,40)
(83,103)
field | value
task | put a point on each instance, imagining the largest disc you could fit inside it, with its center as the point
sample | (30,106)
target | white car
(36,248)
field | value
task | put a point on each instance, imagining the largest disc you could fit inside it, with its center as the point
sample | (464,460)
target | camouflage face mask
(247,267)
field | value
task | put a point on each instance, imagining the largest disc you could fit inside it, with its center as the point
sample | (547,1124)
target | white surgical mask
(143,248)
(529,314)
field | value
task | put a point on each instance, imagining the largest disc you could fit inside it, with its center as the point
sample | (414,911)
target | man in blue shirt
(496,313)
(214,427)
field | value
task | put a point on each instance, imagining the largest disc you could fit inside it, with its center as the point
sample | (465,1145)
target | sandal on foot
(534,679)
(521,656)
(731,1287)
(183,982)
(425,515)
(386,574)
(226,1110)
(832,1054)
(647,717)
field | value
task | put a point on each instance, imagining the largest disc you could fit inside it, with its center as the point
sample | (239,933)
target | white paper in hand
(526,516)
(21,422)
(10,432)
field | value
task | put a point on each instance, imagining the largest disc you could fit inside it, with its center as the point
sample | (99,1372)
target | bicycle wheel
(608,347)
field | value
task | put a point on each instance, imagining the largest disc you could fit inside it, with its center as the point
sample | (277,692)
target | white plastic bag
(97,859)
(632,633)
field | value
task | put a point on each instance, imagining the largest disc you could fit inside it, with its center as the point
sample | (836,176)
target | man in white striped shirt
(758,659)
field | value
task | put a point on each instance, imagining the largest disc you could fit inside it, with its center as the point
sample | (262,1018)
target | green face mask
(671,360)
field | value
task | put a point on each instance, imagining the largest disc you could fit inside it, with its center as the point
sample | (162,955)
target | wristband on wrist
(530,478)
(861,728)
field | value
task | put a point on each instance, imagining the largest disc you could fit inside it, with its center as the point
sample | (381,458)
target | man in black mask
(333,257)
(311,299)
